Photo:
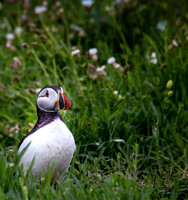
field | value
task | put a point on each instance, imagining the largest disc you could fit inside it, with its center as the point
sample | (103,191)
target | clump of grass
(129,115)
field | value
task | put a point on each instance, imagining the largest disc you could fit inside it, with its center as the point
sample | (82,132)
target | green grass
(130,145)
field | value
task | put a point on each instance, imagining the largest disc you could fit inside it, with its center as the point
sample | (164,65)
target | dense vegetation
(123,66)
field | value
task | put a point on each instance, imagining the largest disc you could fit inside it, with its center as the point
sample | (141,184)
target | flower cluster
(94,71)
(112,61)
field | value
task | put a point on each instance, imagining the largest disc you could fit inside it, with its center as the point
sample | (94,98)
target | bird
(50,143)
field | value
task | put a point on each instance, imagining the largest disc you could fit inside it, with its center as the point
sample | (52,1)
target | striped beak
(64,103)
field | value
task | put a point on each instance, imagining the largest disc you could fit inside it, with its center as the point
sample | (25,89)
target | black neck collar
(44,118)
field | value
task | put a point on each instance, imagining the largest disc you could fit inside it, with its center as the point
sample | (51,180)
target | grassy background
(130,145)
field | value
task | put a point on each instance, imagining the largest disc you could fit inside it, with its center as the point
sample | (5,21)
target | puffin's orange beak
(64,103)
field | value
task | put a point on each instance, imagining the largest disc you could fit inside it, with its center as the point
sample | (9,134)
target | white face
(47,99)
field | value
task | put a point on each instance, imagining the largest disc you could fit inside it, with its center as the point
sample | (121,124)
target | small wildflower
(10,36)
(100,74)
(40,10)
(24,45)
(175,44)
(92,68)
(81,33)
(87,3)
(162,25)
(18,31)
(115,92)
(16,63)
(31,90)
(97,143)
(153,58)
(77,30)
(75,52)
(169,84)
(7,127)
(111,60)
(11,151)
(92,51)
(17,60)
(115,65)
(11,47)
(121,69)
(94,57)
(36,84)
(101,68)
(14,130)
(170,93)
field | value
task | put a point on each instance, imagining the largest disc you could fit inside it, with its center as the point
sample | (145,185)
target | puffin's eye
(47,94)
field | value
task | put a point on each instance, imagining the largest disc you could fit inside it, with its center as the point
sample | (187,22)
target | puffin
(50,143)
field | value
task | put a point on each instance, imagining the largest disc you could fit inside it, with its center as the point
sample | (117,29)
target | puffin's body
(50,142)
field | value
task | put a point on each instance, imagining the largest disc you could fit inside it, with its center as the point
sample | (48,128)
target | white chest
(51,143)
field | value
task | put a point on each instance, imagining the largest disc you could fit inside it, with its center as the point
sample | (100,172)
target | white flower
(153,58)
(153,55)
(115,92)
(119,140)
(97,143)
(87,3)
(111,60)
(174,43)
(75,52)
(40,9)
(9,36)
(161,25)
(100,68)
(93,51)
(18,30)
